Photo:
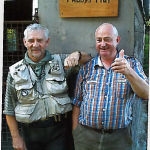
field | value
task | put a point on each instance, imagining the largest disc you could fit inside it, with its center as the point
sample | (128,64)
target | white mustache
(34,49)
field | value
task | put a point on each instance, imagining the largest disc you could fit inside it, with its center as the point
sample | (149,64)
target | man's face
(106,41)
(36,44)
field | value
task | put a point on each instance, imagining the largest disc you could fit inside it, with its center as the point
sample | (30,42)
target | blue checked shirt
(105,98)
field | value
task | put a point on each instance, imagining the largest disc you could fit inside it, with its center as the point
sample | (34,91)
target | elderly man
(37,94)
(105,90)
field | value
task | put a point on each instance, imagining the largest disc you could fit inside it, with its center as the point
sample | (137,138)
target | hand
(18,143)
(74,126)
(72,60)
(121,65)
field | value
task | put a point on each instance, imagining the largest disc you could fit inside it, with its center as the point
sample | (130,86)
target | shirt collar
(98,61)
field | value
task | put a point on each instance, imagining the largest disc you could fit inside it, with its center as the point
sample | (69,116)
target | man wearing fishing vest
(37,94)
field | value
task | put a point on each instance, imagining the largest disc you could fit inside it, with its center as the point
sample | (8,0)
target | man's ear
(118,39)
(25,42)
(47,42)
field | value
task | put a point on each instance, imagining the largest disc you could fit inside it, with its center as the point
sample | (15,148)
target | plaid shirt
(105,98)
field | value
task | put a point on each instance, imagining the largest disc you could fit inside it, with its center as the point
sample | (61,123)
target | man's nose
(35,44)
(103,43)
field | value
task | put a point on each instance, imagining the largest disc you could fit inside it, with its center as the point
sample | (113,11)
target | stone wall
(140,108)
(139,31)
(139,125)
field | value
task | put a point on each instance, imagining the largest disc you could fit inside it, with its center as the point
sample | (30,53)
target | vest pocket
(58,105)
(63,100)
(26,92)
(56,87)
(24,111)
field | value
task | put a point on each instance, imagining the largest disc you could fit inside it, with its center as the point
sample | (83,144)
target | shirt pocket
(90,87)
(122,88)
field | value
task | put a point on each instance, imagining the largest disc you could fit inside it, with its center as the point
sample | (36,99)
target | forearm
(84,58)
(13,126)
(76,58)
(75,116)
(18,142)
(139,86)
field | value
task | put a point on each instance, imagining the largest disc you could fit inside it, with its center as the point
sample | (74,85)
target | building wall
(70,34)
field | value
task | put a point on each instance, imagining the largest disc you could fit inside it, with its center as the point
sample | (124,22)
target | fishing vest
(38,99)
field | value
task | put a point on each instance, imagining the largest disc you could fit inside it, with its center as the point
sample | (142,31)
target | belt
(108,131)
(56,117)
(47,122)
(103,131)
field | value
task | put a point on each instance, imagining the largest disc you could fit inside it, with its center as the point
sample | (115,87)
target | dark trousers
(47,135)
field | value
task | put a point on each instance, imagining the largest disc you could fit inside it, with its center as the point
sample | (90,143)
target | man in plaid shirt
(105,90)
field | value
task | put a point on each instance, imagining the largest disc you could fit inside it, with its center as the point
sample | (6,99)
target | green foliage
(11,40)
(146,54)
(147,23)
(11,34)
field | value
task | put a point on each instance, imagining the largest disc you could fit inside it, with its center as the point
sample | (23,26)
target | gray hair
(114,28)
(36,26)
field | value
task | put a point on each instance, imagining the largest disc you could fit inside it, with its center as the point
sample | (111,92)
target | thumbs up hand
(121,65)
(121,54)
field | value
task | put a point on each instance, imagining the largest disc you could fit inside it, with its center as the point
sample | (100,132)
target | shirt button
(102,122)
(103,109)
(106,83)
(105,96)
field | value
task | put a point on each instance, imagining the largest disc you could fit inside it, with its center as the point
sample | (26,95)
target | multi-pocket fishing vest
(38,99)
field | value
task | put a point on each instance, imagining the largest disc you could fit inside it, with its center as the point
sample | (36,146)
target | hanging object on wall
(88,8)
